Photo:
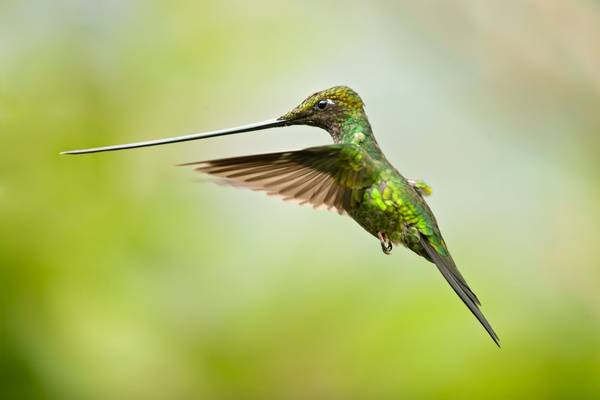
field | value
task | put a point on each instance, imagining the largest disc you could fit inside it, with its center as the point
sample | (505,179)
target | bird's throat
(357,131)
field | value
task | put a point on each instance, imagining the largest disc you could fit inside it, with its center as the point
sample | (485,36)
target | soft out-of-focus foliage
(122,277)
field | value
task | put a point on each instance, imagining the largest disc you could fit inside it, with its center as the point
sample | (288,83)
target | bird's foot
(386,244)
(420,186)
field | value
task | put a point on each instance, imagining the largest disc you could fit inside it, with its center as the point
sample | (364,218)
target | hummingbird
(351,176)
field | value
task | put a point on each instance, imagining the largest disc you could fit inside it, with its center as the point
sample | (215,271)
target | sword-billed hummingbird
(351,176)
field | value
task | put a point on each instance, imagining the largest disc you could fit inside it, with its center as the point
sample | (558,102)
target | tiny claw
(387,249)
(386,244)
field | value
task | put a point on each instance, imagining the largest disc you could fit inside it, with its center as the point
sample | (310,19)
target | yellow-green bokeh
(123,277)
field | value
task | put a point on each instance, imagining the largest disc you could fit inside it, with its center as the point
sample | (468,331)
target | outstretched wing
(326,176)
(443,261)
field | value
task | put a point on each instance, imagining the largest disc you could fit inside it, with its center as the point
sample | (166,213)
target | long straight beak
(272,123)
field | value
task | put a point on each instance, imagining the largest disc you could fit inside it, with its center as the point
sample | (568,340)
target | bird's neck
(357,130)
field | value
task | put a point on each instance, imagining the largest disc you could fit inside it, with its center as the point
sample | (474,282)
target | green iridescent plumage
(351,176)
(354,177)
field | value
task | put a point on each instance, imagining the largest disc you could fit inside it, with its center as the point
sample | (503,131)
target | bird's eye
(323,104)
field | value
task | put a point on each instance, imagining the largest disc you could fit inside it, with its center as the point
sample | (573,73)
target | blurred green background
(123,277)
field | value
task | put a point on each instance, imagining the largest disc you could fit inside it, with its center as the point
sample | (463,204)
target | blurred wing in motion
(325,176)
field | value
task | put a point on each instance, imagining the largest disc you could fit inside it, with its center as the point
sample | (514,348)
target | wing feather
(324,176)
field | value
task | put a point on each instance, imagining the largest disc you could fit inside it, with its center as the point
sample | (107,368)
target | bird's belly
(378,213)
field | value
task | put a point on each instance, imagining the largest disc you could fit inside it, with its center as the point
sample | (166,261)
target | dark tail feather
(447,268)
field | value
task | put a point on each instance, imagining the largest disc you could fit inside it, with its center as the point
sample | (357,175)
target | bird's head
(327,109)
